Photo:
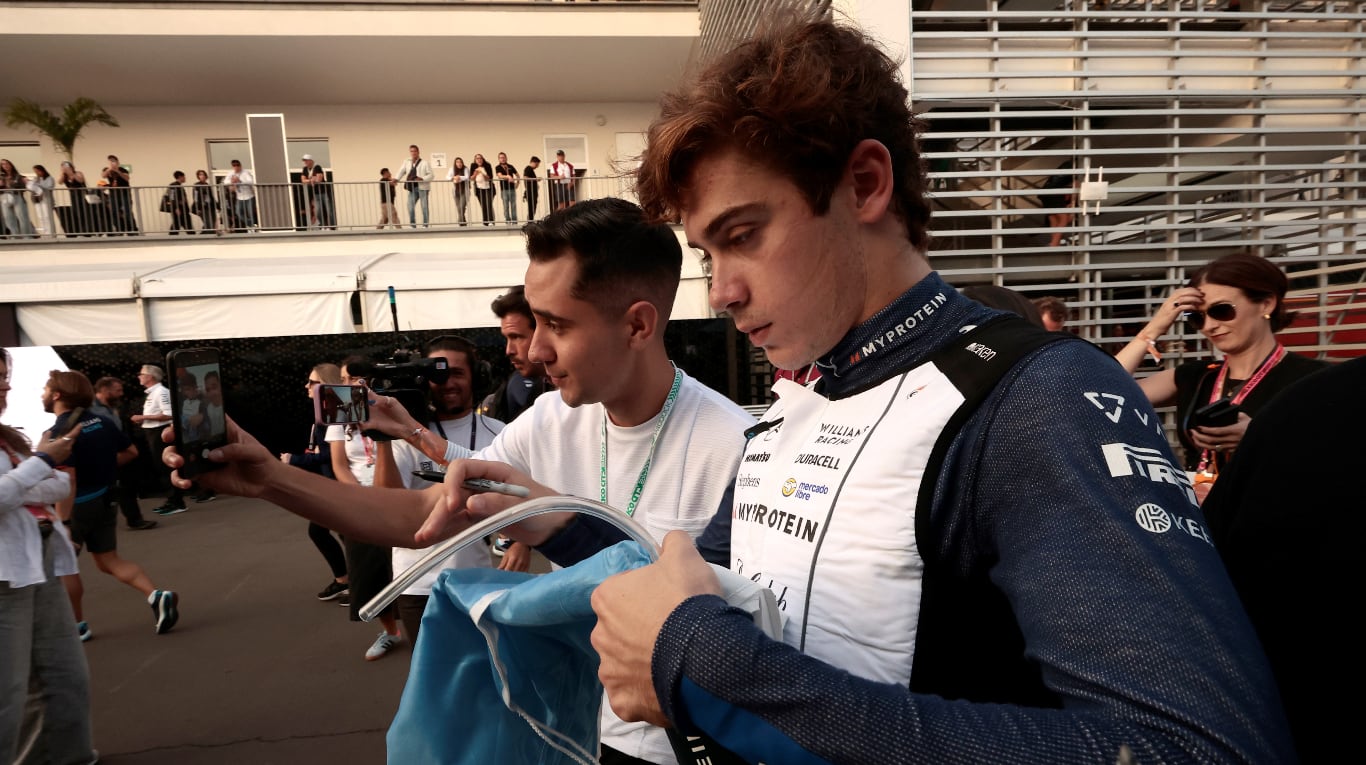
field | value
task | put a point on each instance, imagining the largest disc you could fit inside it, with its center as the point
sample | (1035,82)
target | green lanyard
(650,457)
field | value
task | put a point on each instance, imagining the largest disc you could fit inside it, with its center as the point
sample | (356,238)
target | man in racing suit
(980,539)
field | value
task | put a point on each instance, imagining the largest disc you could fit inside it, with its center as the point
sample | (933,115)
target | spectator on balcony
(41,186)
(205,205)
(118,178)
(531,192)
(316,188)
(416,174)
(13,206)
(388,187)
(85,213)
(481,175)
(562,188)
(242,185)
(507,187)
(459,176)
(175,203)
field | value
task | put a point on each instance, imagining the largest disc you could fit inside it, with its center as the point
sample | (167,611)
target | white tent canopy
(211,298)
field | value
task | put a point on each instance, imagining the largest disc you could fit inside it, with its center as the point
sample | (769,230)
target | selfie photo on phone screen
(196,384)
(340,405)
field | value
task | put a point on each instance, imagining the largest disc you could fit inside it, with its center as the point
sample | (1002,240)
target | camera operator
(453,417)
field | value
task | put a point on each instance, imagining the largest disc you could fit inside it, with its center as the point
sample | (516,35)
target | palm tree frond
(62,130)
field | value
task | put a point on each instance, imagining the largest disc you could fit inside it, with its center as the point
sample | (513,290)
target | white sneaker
(382,645)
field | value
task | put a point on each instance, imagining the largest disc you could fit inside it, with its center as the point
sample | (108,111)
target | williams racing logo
(1126,460)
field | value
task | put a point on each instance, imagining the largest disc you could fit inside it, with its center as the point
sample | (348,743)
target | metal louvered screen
(1215,129)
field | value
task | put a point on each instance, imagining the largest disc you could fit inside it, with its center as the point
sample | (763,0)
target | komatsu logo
(1126,460)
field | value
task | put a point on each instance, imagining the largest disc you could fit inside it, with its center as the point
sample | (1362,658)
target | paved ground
(257,671)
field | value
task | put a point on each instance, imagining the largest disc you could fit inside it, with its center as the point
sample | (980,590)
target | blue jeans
(509,204)
(322,206)
(246,213)
(38,640)
(413,197)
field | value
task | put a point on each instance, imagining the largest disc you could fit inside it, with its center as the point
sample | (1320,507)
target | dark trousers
(125,494)
(330,548)
(158,474)
(410,610)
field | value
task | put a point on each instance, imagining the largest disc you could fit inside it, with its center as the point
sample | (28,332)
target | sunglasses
(312,382)
(1195,320)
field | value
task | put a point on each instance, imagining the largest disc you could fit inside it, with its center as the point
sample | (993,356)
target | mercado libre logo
(789,487)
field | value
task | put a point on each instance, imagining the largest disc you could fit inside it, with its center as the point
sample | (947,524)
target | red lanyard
(1206,457)
(1271,361)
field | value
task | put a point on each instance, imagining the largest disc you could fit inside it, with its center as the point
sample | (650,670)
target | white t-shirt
(158,402)
(695,461)
(360,453)
(408,458)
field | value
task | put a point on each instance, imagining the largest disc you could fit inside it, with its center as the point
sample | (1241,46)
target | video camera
(406,379)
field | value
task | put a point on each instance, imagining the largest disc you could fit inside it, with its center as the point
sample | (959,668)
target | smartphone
(341,404)
(195,378)
(1216,414)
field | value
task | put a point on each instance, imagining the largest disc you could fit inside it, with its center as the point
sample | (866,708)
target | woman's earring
(1266,316)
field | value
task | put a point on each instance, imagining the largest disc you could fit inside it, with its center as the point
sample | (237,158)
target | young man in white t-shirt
(602,284)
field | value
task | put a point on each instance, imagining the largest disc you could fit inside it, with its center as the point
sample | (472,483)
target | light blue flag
(503,670)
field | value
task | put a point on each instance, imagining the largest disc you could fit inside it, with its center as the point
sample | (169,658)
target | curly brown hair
(797,99)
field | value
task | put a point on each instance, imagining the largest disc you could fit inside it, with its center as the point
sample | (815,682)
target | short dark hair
(74,387)
(235,162)
(1004,299)
(456,344)
(112,158)
(1053,306)
(107,382)
(1257,277)
(797,99)
(383,170)
(534,158)
(413,146)
(622,257)
(179,175)
(513,301)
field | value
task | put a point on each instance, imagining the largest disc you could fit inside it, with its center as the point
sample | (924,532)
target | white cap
(308,156)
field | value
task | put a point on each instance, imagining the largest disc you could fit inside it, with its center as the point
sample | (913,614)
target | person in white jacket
(37,630)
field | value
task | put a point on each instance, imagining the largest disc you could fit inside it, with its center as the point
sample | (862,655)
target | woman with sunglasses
(1238,303)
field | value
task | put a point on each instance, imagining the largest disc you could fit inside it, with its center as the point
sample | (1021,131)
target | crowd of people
(982,545)
(230,205)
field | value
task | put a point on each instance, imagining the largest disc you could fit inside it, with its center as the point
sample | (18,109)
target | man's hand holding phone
(248,467)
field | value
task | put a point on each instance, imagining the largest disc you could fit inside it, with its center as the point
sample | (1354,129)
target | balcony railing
(208,209)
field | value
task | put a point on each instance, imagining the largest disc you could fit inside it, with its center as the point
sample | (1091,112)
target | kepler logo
(1153,518)
(899,330)
(1126,460)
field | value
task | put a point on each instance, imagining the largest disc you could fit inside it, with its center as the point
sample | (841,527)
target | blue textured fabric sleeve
(584,537)
(714,542)
(1067,498)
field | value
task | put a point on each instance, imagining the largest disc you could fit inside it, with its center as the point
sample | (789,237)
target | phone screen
(340,404)
(196,384)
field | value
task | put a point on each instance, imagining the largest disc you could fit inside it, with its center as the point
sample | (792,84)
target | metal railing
(293,207)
